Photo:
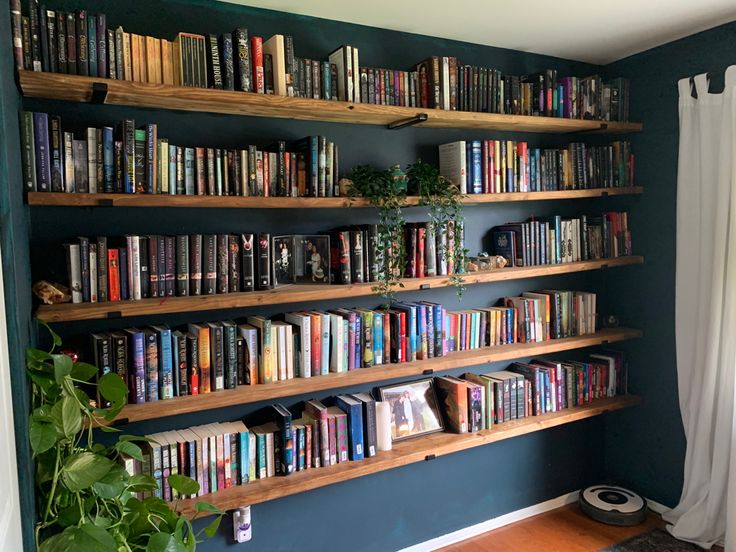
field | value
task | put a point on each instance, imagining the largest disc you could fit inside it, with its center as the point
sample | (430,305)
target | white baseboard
(491,524)
(657,507)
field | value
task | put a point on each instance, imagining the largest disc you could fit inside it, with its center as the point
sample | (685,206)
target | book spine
(244,69)
(209,264)
(256,51)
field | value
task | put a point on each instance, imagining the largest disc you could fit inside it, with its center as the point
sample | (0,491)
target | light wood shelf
(77,88)
(57,199)
(402,454)
(303,386)
(300,293)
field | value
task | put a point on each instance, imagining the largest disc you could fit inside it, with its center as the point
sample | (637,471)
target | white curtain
(705,301)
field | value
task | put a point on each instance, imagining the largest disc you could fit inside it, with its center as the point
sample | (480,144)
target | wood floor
(565,529)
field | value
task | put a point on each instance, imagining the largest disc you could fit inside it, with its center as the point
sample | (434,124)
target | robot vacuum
(613,505)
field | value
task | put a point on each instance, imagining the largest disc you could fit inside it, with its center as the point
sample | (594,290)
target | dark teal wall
(389,510)
(646,448)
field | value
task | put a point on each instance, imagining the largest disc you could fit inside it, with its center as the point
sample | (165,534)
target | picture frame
(312,259)
(284,269)
(414,408)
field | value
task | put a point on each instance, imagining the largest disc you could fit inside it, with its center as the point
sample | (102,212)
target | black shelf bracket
(120,422)
(428,372)
(429,457)
(424,286)
(99,93)
(114,314)
(105,202)
(403,123)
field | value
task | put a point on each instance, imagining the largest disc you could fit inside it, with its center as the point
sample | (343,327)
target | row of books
(555,240)
(444,83)
(81,43)
(502,166)
(160,363)
(126,159)
(346,428)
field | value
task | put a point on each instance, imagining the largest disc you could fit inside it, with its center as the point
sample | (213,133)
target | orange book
(203,337)
(316,350)
(167,62)
(453,394)
(135,55)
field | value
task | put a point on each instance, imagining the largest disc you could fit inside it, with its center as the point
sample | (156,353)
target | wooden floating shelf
(57,199)
(302,386)
(406,452)
(76,88)
(299,293)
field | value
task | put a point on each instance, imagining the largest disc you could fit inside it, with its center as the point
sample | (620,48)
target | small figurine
(344,185)
(51,294)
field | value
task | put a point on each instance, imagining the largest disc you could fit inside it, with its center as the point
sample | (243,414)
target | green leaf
(83,371)
(112,484)
(141,483)
(63,542)
(113,388)
(37,356)
(82,470)
(202,506)
(62,367)
(164,542)
(129,448)
(212,528)
(42,435)
(93,538)
(71,417)
(183,485)
(42,380)
(71,515)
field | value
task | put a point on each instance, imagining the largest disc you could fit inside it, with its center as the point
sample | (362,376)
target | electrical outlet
(242,529)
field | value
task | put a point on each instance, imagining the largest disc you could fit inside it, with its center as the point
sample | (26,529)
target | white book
(93,273)
(280,328)
(336,354)
(356,74)
(274,47)
(69,162)
(349,70)
(259,173)
(453,164)
(289,351)
(172,169)
(92,160)
(243,186)
(163,165)
(445,79)
(339,59)
(325,356)
(134,267)
(74,271)
(304,323)
(345,343)
(252,456)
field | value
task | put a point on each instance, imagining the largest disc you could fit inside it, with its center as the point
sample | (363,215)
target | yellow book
(135,56)
(157,60)
(150,58)
(167,62)
(127,65)
(266,356)
(176,63)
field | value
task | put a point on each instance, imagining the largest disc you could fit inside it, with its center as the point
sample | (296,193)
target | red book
(266,175)
(113,274)
(194,382)
(286,160)
(420,251)
(402,336)
(316,330)
(485,171)
(201,170)
(220,444)
(256,50)
(521,150)
(491,167)
(386,338)
(453,331)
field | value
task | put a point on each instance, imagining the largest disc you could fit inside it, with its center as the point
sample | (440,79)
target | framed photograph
(284,269)
(414,409)
(312,259)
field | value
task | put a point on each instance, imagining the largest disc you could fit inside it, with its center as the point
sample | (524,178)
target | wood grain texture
(565,529)
(57,199)
(299,293)
(406,452)
(302,386)
(136,94)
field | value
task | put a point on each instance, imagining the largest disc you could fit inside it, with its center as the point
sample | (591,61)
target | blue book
(172,170)
(439,318)
(152,365)
(165,362)
(430,308)
(354,409)
(476,154)
(422,344)
(325,344)
(463,330)
(108,159)
(358,350)
(282,417)
(123,264)
(469,167)
(92,44)
(43,153)
(176,361)
(377,338)
(345,343)
(244,449)
(137,382)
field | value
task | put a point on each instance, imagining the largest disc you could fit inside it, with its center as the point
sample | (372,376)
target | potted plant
(86,499)
(444,200)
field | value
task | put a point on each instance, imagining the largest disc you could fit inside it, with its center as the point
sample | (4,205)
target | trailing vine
(87,501)
(444,200)
(388,195)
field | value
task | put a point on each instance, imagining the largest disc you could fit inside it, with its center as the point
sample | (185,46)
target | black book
(25,26)
(247,272)
(240,352)
(43,30)
(226,59)
(243,67)
(233,258)
(356,257)
(370,429)
(102,269)
(57,155)
(217,355)
(213,67)
(179,346)
(366,255)
(192,364)
(195,264)
(82,46)
(153,274)
(143,246)
(223,265)
(84,264)
(71,43)
(161,260)
(264,261)
(209,264)
(282,417)
(34,24)
(53,41)
(169,266)
(119,348)
(182,265)
(268,73)
(343,252)
(102,358)
(123,264)
(230,346)
(61,42)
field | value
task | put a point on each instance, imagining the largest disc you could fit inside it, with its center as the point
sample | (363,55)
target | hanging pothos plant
(388,195)
(444,200)
(86,500)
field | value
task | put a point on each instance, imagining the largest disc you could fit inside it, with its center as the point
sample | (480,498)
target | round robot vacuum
(613,505)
